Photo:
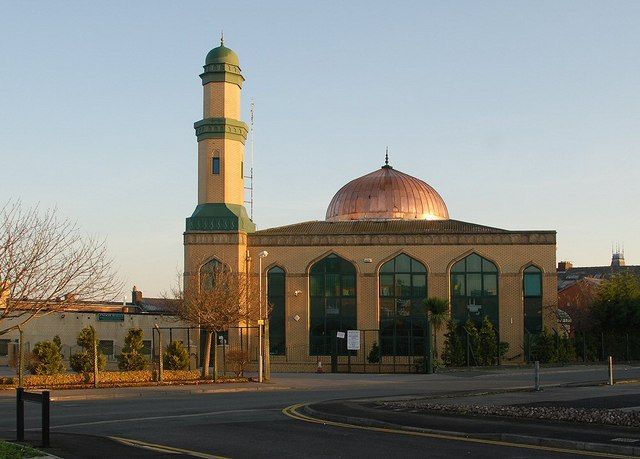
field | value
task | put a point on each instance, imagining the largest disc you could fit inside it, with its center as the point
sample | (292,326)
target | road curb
(513,438)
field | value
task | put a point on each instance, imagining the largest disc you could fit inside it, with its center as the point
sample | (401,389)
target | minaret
(221,138)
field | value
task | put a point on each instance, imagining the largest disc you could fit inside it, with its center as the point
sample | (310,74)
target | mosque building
(386,244)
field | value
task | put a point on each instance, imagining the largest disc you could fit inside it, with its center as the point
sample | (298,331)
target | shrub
(131,358)
(374,354)
(238,360)
(46,359)
(488,343)
(544,347)
(82,362)
(176,356)
(453,353)
(566,351)
(474,341)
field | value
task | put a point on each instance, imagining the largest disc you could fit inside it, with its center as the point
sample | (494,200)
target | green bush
(82,362)
(176,356)
(474,341)
(131,358)
(544,347)
(374,354)
(488,343)
(46,358)
(453,354)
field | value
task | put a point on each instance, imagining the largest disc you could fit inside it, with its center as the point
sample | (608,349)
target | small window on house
(106,347)
(215,165)
(242,170)
(4,347)
(146,347)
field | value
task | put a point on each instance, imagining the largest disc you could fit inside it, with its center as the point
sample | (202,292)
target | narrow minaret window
(215,165)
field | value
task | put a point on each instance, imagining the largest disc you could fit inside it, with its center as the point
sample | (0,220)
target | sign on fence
(353,340)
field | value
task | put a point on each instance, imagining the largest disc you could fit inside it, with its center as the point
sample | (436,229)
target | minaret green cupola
(221,137)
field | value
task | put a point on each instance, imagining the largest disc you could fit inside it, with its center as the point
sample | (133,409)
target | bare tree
(46,263)
(217,300)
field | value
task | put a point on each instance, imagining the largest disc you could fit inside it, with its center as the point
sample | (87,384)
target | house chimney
(136,296)
(564,265)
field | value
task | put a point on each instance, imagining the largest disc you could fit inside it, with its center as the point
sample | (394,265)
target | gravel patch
(614,417)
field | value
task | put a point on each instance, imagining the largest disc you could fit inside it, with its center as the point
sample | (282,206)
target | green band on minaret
(220,217)
(221,128)
(222,72)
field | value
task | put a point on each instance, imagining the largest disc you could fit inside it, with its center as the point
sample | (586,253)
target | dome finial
(222,38)
(386,160)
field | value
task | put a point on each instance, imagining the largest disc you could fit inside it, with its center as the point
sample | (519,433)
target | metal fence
(378,353)
(583,347)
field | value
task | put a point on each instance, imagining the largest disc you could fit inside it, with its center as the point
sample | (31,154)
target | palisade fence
(582,347)
(380,351)
(230,343)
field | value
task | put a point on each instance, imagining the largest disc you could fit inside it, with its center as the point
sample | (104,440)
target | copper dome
(387,194)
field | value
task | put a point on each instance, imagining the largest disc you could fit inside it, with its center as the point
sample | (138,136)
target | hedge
(107,378)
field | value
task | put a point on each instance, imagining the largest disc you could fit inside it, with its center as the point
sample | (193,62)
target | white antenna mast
(250,176)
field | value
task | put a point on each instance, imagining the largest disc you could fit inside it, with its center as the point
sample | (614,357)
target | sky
(522,114)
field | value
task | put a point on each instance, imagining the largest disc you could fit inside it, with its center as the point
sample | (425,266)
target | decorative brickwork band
(220,217)
(222,72)
(221,128)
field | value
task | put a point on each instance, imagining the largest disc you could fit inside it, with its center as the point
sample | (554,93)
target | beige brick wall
(221,100)
(228,186)
(510,259)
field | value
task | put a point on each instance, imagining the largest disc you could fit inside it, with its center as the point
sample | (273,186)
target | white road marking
(153,418)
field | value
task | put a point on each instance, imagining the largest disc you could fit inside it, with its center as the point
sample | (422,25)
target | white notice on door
(353,340)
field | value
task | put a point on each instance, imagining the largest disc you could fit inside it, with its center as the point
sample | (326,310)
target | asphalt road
(250,422)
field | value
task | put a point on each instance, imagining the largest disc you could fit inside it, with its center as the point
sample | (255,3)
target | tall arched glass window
(532,293)
(474,289)
(208,273)
(276,299)
(333,302)
(403,319)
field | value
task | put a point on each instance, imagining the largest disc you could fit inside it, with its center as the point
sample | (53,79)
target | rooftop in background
(569,275)
(138,305)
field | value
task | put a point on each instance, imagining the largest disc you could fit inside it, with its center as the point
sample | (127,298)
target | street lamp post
(261,255)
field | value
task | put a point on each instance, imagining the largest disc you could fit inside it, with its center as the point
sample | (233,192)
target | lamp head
(263,254)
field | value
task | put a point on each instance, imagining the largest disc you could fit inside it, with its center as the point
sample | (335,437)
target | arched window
(208,273)
(333,302)
(532,293)
(403,319)
(474,289)
(276,298)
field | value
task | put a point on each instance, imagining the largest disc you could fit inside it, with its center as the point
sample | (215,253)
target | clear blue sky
(523,115)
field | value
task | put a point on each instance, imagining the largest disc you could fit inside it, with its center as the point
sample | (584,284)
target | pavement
(247,420)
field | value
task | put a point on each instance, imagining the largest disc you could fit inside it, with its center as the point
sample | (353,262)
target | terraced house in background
(386,244)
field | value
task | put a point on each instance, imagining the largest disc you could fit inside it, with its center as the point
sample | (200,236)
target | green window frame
(532,297)
(208,273)
(403,318)
(474,290)
(4,347)
(276,288)
(333,303)
(106,347)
